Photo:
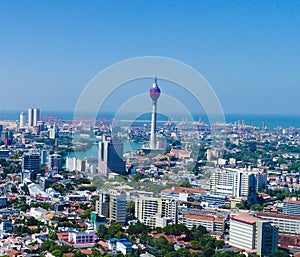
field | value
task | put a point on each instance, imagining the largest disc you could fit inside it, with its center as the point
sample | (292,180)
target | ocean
(271,121)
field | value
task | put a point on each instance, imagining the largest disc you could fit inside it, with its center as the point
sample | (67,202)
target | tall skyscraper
(34,115)
(154,94)
(30,117)
(110,155)
(22,119)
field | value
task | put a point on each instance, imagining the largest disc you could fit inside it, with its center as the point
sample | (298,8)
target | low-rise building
(213,224)
(87,237)
(291,206)
(285,223)
(119,245)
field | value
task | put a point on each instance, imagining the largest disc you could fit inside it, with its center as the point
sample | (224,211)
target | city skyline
(249,52)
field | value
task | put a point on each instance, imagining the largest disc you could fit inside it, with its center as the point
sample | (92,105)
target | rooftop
(292,200)
(245,218)
(186,190)
(279,216)
(203,217)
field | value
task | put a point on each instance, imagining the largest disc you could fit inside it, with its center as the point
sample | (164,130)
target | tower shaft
(153,126)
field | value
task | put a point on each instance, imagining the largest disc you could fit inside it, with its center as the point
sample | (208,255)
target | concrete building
(54,162)
(112,205)
(232,182)
(110,157)
(291,206)
(34,115)
(253,234)
(87,237)
(213,224)
(156,212)
(102,205)
(22,120)
(32,162)
(285,223)
(6,226)
(119,244)
(71,163)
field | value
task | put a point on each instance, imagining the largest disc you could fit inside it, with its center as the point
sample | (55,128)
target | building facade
(31,162)
(291,206)
(156,212)
(213,224)
(286,223)
(232,182)
(110,157)
(250,233)
(112,205)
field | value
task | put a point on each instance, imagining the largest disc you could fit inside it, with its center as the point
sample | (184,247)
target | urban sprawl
(190,190)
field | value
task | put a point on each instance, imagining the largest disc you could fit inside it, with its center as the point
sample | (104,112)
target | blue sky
(249,51)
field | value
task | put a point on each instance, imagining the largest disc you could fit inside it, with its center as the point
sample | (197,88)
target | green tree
(281,253)
(130,209)
(102,231)
(185,183)
(137,229)
(57,253)
(52,235)
(113,229)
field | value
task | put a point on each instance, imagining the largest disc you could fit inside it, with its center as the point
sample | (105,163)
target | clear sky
(249,51)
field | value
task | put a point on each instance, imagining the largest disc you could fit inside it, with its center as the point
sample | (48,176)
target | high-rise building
(30,117)
(102,205)
(71,163)
(44,155)
(34,115)
(112,205)
(110,154)
(156,212)
(250,233)
(22,120)
(232,182)
(154,94)
(54,162)
(32,163)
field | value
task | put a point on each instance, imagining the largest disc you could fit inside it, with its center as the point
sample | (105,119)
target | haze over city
(248,51)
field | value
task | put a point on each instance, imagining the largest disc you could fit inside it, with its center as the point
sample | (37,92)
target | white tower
(154,94)
(22,119)
(30,117)
(36,116)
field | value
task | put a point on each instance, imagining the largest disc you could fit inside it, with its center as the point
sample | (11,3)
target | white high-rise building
(34,115)
(71,163)
(22,119)
(30,117)
(233,182)
(156,212)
